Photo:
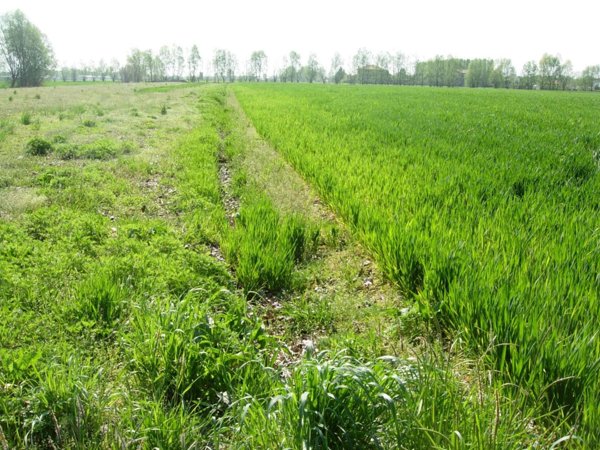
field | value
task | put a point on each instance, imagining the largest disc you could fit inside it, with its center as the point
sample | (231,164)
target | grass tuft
(38,147)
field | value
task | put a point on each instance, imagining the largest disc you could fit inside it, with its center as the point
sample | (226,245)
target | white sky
(82,31)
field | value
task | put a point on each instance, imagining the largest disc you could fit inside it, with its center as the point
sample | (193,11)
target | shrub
(89,123)
(38,147)
(67,151)
(101,149)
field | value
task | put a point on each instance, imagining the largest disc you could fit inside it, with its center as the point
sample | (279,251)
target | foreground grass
(121,331)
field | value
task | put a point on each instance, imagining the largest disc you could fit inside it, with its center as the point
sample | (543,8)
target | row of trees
(550,72)
(28,59)
(169,64)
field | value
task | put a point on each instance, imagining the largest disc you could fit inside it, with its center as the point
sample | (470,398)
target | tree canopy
(25,50)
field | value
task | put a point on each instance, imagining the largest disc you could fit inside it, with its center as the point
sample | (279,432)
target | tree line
(27,57)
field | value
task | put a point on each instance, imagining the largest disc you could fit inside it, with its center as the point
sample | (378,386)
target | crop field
(482,207)
(298,266)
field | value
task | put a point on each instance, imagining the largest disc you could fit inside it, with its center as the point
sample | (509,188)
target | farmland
(298,266)
(482,207)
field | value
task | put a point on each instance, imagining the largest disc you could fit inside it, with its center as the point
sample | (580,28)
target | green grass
(265,247)
(165,88)
(131,335)
(480,207)
(90,266)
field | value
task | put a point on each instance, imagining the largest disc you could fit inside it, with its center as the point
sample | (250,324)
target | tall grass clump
(265,246)
(6,128)
(482,210)
(26,118)
(198,351)
(336,401)
(101,299)
(66,408)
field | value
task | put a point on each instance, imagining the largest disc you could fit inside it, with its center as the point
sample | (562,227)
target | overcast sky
(82,31)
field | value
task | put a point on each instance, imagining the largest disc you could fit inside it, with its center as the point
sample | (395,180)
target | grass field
(170,278)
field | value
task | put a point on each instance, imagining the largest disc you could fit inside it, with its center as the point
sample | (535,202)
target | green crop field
(483,207)
(298,266)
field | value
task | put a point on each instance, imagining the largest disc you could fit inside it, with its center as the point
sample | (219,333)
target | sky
(85,31)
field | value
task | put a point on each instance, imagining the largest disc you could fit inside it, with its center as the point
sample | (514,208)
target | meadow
(309,267)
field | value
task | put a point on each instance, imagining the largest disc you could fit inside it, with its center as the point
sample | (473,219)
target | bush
(38,147)
(67,151)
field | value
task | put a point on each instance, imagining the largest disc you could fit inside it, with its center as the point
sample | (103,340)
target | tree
(168,62)
(220,64)
(231,66)
(64,73)
(295,66)
(285,74)
(102,70)
(312,68)
(590,77)
(225,64)
(360,60)
(158,68)
(194,61)
(177,53)
(479,73)
(258,64)
(149,65)
(399,67)
(114,70)
(136,69)
(530,74)
(25,50)
(566,75)
(504,74)
(339,76)
(336,65)
(550,72)
(383,61)
(436,71)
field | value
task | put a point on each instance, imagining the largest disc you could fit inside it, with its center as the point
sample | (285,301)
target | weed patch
(38,147)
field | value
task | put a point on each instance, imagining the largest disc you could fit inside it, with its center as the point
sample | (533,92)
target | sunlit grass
(482,208)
